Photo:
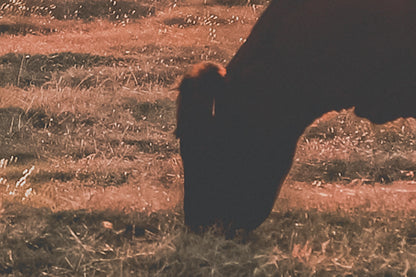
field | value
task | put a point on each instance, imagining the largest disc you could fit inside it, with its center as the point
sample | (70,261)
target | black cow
(303,58)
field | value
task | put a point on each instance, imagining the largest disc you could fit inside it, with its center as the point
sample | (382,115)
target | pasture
(90,173)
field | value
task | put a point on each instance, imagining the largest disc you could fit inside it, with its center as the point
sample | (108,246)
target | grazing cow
(304,58)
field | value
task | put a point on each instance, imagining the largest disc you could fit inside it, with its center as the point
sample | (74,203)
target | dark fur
(197,131)
(304,58)
(196,99)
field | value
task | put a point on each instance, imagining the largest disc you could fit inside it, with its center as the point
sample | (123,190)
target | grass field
(90,174)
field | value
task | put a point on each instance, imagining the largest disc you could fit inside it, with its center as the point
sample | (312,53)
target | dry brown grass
(104,120)
(95,166)
(103,124)
(107,38)
(398,196)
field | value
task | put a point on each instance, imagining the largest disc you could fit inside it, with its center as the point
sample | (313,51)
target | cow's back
(318,55)
(302,59)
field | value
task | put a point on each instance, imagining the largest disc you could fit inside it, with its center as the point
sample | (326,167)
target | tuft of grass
(346,147)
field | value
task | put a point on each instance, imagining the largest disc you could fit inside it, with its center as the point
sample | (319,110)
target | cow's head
(196,99)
